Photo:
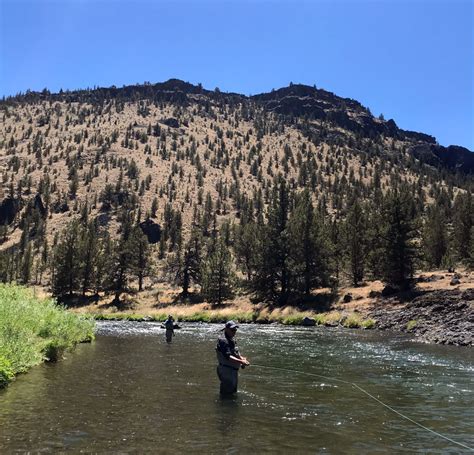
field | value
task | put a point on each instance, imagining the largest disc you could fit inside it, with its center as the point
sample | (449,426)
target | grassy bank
(34,330)
(333,318)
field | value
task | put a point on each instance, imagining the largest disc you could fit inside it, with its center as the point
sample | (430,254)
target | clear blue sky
(411,60)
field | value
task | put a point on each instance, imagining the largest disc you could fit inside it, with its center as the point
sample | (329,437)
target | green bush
(6,372)
(33,330)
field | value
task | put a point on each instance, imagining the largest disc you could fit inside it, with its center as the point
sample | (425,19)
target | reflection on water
(131,392)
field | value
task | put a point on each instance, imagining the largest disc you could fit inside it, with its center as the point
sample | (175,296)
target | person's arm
(235,358)
(239,360)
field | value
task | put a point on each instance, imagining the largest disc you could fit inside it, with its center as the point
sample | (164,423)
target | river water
(130,392)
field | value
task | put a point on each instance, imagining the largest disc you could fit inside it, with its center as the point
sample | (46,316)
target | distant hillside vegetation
(108,189)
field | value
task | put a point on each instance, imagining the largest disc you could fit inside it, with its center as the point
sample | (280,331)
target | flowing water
(130,392)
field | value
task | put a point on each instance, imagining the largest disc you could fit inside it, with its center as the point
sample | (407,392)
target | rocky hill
(177,142)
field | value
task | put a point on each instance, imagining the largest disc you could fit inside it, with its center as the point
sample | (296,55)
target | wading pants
(229,377)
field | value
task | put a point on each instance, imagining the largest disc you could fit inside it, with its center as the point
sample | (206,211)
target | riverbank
(33,330)
(439,310)
(441,316)
(285,316)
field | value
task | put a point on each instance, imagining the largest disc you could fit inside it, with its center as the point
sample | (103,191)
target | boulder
(8,210)
(388,290)
(171,122)
(347,298)
(308,322)
(455,282)
(152,230)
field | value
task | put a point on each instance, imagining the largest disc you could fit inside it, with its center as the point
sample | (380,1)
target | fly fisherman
(229,359)
(169,326)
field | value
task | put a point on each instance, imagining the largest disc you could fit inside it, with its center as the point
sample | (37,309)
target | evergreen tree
(66,258)
(309,252)
(103,263)
(141,255)
(272,277)
(217,274)
(375,242)
(26,264)
(399,249)
(88,250)
(123,253)
(355,241)
(244,247)
(463,215)
(184,267)
(434,237)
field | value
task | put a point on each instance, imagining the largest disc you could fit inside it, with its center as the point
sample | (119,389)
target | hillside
(177,155)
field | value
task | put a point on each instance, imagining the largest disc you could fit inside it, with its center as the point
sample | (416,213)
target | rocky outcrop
(445,316)
(171,122)
(8,210)
(452,157)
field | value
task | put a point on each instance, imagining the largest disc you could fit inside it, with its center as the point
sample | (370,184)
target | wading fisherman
(229,359)
(169,326)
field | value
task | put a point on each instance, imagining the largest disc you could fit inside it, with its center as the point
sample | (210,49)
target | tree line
(280,249)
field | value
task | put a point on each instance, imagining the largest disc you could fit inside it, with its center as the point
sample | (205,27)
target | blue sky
(411,60)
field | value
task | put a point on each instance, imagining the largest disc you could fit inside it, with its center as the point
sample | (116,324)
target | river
(130,392)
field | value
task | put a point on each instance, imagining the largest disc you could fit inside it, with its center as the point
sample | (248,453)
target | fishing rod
(353,384)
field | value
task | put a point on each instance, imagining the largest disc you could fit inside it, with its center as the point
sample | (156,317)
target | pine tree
(245,244)
(184,266)
(66,258)
(122,257)
(272,277)
(88,248)
(399,249)
(305,254)
(26,264)
(434,237)
(141,255)
(103,263)
(217,274)
(463,216)
(354,232)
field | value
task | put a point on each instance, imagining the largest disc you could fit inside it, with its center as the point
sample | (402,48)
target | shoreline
(444,316)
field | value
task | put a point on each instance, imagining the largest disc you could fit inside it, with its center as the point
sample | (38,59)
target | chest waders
(228,375)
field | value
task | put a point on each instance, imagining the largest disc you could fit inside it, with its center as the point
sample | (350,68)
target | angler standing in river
(169,326)
(229,359)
